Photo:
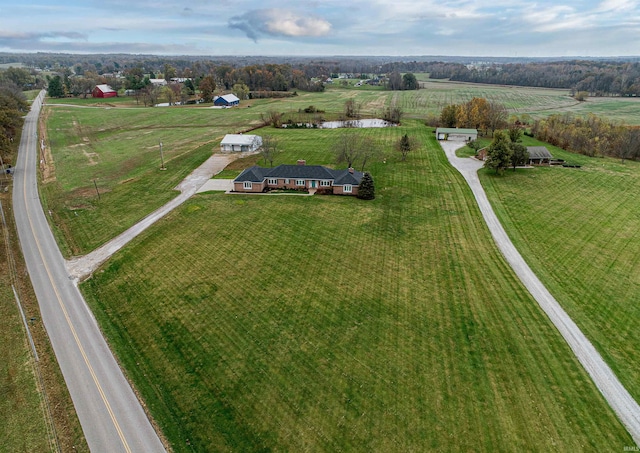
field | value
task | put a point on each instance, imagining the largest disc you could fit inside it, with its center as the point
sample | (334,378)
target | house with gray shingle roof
(302,177)
(539,155)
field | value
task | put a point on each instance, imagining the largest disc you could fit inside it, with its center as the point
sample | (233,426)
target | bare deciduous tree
(352,109)
(269,149)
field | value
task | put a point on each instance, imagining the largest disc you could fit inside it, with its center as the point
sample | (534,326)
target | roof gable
(105,88)
(230,97)
(252,174)
(319,172)
(539,152)
(455,130)
(343,177)
(240,139)
(299,171)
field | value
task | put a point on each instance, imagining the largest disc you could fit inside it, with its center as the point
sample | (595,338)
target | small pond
(363,123)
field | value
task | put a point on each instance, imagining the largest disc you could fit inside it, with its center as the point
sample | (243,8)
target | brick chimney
(351,170)
(302,162)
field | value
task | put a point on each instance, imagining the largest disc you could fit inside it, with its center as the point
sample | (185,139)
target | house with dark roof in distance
(302,177)
(227,100)
(539,155)
(103,91)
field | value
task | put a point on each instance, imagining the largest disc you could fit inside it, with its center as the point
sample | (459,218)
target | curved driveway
(626,408)
(111,416)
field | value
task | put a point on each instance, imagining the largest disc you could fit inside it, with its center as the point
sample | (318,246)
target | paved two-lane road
(111,416)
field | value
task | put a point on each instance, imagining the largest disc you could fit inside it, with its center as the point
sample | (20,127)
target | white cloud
(290,24)
(278,22)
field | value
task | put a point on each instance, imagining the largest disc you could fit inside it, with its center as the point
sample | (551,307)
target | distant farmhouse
(456,134)
(240,143)
(299,177)
(228,100)
(103,91)
(539,155)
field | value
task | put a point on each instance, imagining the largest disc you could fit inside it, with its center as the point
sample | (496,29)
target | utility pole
(162,167)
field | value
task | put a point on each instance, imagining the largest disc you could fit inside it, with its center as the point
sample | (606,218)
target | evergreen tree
(56,89)
(499,153)
(409,82)
(366,190)
(405,145)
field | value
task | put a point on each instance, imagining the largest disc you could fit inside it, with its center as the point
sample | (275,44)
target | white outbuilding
(456,134)
(240,143)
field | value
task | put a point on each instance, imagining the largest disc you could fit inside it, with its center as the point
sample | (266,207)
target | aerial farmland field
(328,323)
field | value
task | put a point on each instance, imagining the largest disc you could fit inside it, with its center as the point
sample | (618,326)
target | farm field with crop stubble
(329,323)
(579,229)
(535,102)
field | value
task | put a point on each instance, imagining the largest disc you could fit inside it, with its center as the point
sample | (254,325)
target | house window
(248,185)
(299,182)
(325,183)
(347,188)
(273,181)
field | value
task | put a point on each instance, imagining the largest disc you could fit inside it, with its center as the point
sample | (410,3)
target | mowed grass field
(287,323)
(114,145)
(579,229)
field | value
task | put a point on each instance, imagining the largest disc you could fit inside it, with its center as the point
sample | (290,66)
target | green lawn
(328,323)
(117,149)
(579,229)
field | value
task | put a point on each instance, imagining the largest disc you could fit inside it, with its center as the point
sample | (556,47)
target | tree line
(589,135)
(13,107)
(478,113)
(594,78)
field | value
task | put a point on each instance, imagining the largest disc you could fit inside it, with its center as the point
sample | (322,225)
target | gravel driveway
(626,408)
(82,267)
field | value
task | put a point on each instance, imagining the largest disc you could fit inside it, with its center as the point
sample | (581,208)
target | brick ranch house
(299,177)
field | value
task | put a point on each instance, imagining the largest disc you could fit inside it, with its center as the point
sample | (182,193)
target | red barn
(103,91)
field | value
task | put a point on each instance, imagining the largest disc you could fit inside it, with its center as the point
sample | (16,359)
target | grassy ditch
(37,411)
(328,323)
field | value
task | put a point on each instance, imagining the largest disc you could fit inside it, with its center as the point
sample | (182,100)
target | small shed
(103,91)
(228,100)
(456,134)
(240,143)
(539,155)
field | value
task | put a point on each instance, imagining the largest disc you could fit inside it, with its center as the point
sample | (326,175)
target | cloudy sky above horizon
(324,27)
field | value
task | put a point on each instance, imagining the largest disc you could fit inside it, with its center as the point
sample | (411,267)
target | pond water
(363,123)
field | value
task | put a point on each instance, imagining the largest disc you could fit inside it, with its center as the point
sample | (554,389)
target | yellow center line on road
(73,330)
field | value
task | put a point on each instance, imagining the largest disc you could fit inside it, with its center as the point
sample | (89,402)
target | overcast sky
(324,27)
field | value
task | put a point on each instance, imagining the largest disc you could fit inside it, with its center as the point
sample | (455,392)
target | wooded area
(591,136)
